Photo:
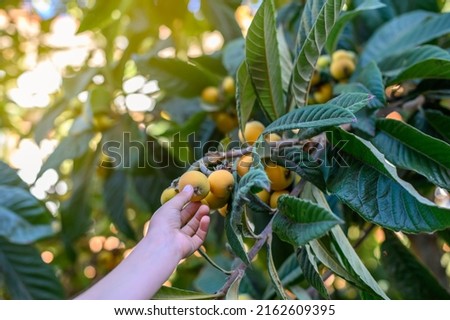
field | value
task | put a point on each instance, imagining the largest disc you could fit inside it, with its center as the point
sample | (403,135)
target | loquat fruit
(394,115)
(323,93)
(214,202)
(225,122)
(274,198)
(221,183)
(210,95)
(168,194)
(342,54)
(272,137)
(342,69)
(323,62)
(315,78)
(223,211)
(244,164)
(198,181)
(264,195)
(228,86)
(279,176)
(252,131)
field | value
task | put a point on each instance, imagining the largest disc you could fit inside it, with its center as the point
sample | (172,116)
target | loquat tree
(316,131)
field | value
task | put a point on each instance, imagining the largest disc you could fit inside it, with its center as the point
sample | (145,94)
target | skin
(176,230)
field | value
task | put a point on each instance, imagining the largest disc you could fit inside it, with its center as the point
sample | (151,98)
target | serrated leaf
(245,95)
(346,17)
(9,177)
(274,277)
(372,188)
(253,181)
(409,148)
(21,202)
(356,87)
(410,277)
(308,264)
(405,32)
(263,61)
(372,79)
(311,117)
(322,15)
(25,274)
(300,221)
(71,147)
(439,122)
(172,293)
(114,191)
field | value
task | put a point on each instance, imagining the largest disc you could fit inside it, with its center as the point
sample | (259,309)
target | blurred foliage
(78,75)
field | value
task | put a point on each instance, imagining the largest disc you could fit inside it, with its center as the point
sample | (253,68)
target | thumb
(180,200)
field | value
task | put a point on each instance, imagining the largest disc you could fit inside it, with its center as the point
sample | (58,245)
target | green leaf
(25,274)
(263,61)
(356,87)
(401,6)
(318,19)
(372,79)
(220,13)
(289,272)
(393,65)
(24,204)
(345,18)
(300,221)
(409,276)
(252,182)
(409,148)
(405,32)
(308,264)
(9,177)
(286,63)
(16,229)
(233,290)
(439,122)
(245,96)
(274,277)
(175,76)
(337,254)
(371,187)
(429,69)
(114,191)
(71,147)
(172,293)
(312,117)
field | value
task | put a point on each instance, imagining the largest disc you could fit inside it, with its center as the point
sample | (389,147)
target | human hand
(180,226)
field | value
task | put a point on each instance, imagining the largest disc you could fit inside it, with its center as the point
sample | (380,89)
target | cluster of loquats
(281,178)
(330,70)
(221,102)
(213,190)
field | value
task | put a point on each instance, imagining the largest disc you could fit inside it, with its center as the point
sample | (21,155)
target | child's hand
(180,226)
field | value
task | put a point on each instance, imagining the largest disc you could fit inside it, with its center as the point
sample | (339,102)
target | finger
(200,236)
(179,201)
(192,225)
(188,211)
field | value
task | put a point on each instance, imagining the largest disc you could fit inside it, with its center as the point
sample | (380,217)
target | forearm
(139,276)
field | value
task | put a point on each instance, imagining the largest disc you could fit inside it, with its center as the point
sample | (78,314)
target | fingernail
(188,188)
